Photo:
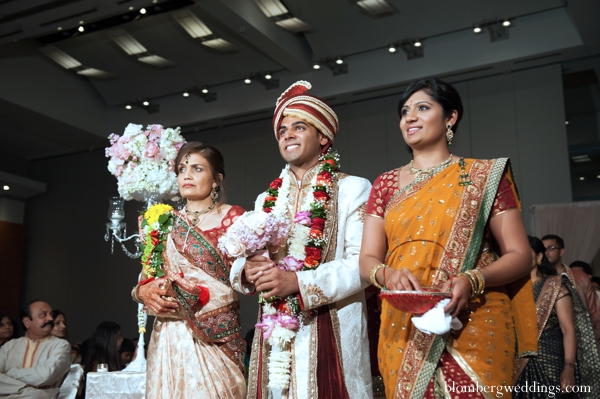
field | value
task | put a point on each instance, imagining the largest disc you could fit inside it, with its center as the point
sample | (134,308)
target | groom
(312,322)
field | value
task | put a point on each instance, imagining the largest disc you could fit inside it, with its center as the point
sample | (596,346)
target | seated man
(34,366)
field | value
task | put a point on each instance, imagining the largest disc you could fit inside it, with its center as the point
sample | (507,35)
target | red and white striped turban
(295,103)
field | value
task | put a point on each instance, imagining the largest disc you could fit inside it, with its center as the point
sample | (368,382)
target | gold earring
(214,194)
(449,134)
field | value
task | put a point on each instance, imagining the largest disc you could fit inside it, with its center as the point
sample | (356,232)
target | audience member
(127,351)
(7,329)
(582,272)
(34,366)
(104,348)
(60,324)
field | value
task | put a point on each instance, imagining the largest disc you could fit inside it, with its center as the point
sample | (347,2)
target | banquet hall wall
(68,263)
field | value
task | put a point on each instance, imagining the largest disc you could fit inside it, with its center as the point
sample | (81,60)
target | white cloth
(69,387)
(50,363)
(116,385)
(435,321)
(336,282)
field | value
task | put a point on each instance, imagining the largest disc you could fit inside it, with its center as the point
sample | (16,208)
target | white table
(116,385)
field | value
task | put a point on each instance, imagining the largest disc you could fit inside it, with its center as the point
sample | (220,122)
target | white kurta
(25,364)
(336,282)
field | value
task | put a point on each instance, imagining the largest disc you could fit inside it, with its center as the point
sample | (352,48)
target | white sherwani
(336,283)
(27,364)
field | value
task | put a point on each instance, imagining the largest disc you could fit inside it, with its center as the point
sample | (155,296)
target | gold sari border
(468,370)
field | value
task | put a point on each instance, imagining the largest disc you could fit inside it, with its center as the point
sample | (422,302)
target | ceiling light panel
(129,44)
(376,7)
(219,44)
(94,73)
(155,60)
(294,24)
(192,24)
(271,8)
(60,57)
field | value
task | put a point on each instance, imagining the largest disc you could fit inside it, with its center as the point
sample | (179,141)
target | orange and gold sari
(438,229)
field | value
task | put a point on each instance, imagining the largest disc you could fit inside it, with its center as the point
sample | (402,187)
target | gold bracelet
(134,294)
(373,275)
(471,282)
(480,278)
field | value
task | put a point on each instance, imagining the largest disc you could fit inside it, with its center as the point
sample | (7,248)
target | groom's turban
(295,103)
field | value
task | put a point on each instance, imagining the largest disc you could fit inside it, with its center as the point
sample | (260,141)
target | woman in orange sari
(450,223)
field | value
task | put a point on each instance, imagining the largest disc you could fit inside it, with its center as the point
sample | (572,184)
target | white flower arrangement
(143,161)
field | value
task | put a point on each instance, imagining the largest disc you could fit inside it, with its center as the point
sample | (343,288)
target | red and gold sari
(197,352)
(438,229)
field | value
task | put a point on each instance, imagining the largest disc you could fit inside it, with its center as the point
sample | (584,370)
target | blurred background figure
(127,351)
(60,324)
(8,329)
(104,348)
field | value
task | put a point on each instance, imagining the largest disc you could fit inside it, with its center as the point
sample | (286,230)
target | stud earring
(449,134)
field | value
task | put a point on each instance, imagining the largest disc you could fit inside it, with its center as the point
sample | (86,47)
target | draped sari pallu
(437,229)
(220,326)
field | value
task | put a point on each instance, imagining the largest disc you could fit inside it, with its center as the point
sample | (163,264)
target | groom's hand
(276,282)
(255,266)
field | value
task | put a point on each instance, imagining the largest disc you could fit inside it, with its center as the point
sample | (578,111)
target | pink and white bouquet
(252,232)
(143,161)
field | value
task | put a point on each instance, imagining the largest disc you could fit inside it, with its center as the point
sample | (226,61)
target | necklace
(194,216)
(418,172)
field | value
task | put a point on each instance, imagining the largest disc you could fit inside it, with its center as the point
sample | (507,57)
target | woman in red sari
(450,223)
(196,351)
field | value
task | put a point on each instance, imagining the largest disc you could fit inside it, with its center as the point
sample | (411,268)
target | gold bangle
(476,273)
(373,275)
(471,282)
(134,294)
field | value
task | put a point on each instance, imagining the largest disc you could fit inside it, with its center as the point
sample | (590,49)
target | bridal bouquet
(156,225)
(253,231)
(143,161)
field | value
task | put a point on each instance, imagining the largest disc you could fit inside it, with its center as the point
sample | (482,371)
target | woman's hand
(460,287)
(567,378)
(255,266)
(151,294)
(402,280)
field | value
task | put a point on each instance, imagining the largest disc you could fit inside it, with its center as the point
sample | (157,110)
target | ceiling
(47,110)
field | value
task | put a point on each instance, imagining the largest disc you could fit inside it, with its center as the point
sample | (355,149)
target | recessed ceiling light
(81,29)
(268,76)
(339,61)
(316,66)
(392,49)
(80,22)
(142,10)
(581,178)
(418,43)
(566,122)
(506,23)
(128,106)
(146,103)
(59,28)
(186,94)
(6,188)
(598,177)
(205,89)
(247,81)
(477,29)
(131,8)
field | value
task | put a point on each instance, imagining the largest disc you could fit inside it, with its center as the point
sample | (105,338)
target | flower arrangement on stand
(143,161)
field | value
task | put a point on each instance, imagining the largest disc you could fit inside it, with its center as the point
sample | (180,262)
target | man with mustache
(34,366)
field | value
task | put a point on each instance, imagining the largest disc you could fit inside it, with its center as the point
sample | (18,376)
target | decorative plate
(416,302)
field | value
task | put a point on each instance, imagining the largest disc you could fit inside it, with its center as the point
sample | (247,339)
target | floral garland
(157,223)
(281,316)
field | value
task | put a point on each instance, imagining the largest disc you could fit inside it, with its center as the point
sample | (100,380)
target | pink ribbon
(270,321)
